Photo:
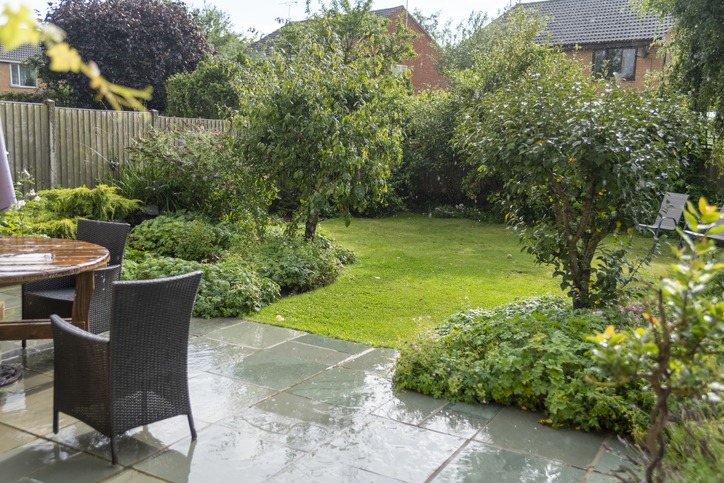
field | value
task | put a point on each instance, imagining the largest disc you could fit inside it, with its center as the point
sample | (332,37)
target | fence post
(52,156)
(154,118)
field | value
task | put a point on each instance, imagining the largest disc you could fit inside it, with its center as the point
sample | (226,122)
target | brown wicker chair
(139,374)
(56,295)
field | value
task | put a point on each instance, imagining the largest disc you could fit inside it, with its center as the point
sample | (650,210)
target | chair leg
(55,421)
(24,343)
(192,427)
(114,450)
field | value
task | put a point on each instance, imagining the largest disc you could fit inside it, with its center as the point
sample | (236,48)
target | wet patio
(274,404)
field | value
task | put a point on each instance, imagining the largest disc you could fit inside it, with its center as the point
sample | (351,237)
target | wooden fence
(73,147)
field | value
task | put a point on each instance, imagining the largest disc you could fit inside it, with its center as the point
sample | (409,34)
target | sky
(260,15)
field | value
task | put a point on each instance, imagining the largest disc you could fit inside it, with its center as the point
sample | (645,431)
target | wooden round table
(29,259)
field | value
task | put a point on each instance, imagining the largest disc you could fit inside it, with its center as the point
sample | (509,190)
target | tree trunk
(310,228)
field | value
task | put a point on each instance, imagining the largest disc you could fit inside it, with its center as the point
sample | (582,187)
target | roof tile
(585,22)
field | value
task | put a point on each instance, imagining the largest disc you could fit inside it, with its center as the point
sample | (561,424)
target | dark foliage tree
(135,43)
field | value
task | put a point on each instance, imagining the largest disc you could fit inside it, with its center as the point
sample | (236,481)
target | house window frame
(16,76)
(618,68)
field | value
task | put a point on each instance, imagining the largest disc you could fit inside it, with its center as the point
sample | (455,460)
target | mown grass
(413,273)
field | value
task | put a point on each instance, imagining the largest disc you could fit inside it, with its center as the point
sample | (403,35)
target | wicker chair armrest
(66,329)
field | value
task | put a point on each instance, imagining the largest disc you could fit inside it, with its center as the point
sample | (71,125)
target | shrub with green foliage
(298,265)
(531,353)
(468,212)
(55,212)
(207,92)
(228,288)
(204,172)
(103,203)
(183,236)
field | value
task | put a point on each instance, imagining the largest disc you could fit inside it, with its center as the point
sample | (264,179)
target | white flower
(20,203)
(37,198)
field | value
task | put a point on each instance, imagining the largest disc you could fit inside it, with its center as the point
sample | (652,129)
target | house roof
(21,54)
(268,40)
(585,22)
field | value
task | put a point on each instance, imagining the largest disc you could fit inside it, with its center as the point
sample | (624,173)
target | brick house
(15,76)
(606,35)
(423,72)
(422,68)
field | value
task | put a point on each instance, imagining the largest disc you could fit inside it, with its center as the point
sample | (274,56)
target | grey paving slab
(273,369)
(335,344)
(481,463)
(464,420)
(380,446)
(221,454)
(133,476)
(133,446)
(208,354)
(313,470)
(289,405)
(520,430)
(291,432)
(214,398)
(310,353)
(344,387)
(27,459)
(11,438)
(379,361)
(613,456)
(78,468)
(409,407)
(256,336)
(201,327)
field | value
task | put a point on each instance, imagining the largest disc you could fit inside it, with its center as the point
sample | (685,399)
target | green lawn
(412,273)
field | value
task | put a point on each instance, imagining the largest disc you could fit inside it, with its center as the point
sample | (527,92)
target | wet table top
(27,259)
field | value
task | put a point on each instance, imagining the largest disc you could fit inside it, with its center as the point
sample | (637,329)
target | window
(23,76)
(607,62)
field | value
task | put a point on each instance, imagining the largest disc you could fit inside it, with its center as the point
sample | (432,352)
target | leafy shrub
(103,203)
(530,353)
(298,265)
(469,212)
(55,212)
(198,171)
(227,289)
(182,236)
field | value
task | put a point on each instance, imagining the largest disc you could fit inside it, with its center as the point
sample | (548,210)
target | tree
(679,352)
(207,92)
(218,27)
(588,160)
(136,43)
(698,61)
(322,116)
(22,28)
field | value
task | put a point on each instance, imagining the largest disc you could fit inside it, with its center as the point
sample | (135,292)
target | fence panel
(74,147)
(25,127)
(91,143)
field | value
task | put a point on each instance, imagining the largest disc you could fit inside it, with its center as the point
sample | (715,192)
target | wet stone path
(279,405)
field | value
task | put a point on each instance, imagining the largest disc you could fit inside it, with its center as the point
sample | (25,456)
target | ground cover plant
(531,354)
(412,273)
